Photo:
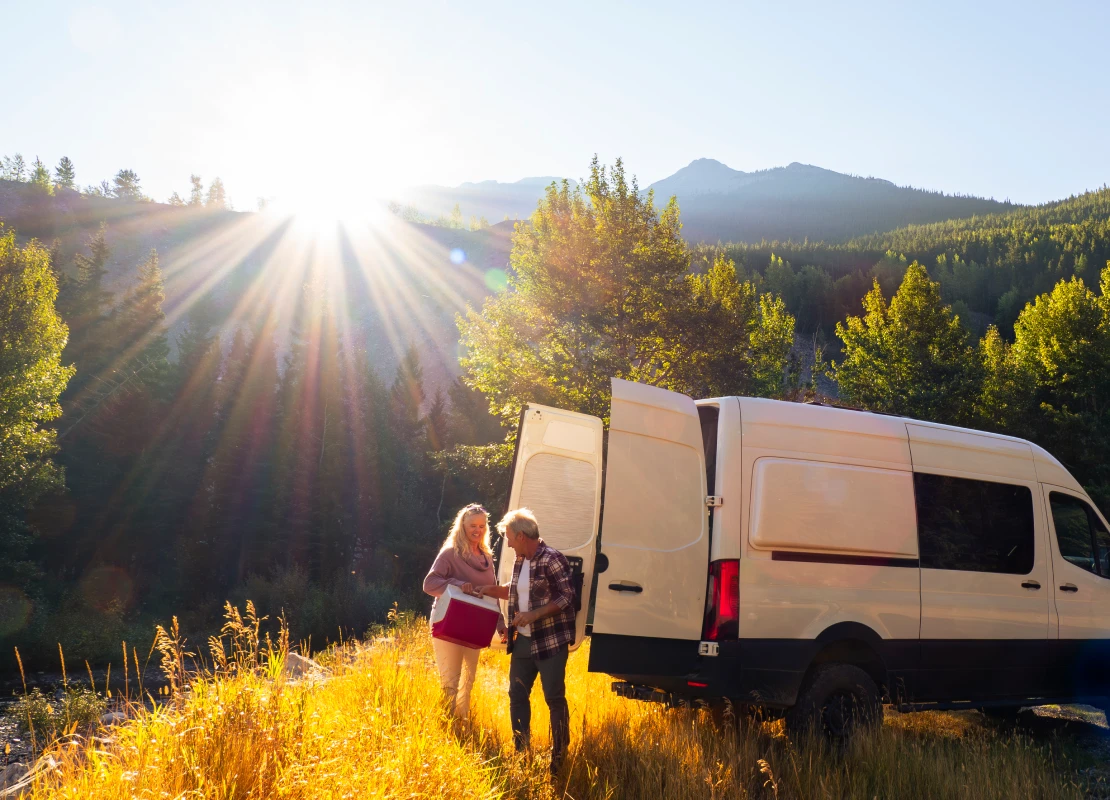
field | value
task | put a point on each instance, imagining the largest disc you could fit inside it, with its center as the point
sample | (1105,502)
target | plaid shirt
(550,583)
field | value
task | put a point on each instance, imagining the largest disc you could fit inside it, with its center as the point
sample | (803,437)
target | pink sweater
(451,569)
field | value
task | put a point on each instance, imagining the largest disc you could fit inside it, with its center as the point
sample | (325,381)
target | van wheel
(836,701)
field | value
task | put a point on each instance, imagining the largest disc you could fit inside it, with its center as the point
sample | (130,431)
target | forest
(144,474)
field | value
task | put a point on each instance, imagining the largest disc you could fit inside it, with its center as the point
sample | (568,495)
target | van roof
(1027,460)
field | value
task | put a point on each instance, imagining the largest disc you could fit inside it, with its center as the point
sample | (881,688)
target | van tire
(836,701)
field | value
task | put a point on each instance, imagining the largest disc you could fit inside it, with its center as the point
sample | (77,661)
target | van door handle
(1069,587)
(626,587)
(1030,585)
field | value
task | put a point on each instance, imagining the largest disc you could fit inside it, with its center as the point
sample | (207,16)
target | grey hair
(521,521)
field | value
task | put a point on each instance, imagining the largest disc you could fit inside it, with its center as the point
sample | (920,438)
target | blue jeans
(523,669)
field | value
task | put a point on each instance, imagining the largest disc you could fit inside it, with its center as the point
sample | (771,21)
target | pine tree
(15,169)
(126,186)
(65,176)
(175,200)
(40,177)
(196,192)
(456,217)
(139,330)
(84,304)
(217,197)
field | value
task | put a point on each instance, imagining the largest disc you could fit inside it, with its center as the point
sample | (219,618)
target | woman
(467,562)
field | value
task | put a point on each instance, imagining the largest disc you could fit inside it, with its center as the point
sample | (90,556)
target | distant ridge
(490,199)
(801,201)
(795,202)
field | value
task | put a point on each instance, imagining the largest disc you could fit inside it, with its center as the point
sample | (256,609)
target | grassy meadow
(375,726)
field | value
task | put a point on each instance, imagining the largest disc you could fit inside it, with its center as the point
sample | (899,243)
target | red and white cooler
(463,619)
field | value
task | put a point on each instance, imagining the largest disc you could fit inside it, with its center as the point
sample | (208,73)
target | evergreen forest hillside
(988,266)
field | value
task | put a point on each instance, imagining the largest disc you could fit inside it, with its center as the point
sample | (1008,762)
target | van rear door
(655,536)
(557,474)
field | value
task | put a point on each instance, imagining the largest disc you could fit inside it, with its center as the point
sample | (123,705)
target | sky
(323,101)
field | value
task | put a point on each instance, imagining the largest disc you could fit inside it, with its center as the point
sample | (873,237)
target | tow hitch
(649,695)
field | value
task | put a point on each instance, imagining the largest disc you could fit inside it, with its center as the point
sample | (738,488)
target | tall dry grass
(377,727)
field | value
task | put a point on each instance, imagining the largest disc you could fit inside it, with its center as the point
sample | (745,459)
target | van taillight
(722,601)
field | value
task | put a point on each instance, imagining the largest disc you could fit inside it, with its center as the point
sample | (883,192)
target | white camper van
(817,560)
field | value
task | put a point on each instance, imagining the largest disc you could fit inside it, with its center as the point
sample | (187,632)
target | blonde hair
(456,540)
(521,521)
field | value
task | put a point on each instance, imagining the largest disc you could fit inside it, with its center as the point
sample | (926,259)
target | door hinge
(708,649)
(713,501)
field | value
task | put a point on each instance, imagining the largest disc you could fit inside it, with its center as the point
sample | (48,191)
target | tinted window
(1102,542)
(978,526)
(1073,531)
(1079,532)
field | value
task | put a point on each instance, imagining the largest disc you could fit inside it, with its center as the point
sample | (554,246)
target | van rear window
(975,526)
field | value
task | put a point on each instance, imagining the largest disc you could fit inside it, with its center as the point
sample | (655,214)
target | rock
(112,718)
(297,666)
(12,775)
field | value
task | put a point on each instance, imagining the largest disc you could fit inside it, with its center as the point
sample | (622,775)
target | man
(541,614)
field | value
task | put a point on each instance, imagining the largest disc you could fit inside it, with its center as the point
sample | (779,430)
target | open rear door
(557,474)
(656,530)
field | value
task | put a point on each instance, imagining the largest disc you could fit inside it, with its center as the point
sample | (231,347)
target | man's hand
(525,618)
(492,590)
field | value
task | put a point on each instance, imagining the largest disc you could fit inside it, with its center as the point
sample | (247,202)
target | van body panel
(1049,470)
(937,447)
(656,529)
(800,600)
(797,600)
(822,506)
(983,606)
(558,474)
(821,433)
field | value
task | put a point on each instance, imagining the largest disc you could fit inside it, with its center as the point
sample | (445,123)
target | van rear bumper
(671,671)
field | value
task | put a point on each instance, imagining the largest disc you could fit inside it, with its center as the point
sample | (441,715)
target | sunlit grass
(377,728)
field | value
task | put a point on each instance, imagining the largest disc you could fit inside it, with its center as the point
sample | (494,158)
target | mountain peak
(702,176)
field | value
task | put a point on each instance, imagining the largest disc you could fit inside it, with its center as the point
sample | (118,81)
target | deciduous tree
(910,357)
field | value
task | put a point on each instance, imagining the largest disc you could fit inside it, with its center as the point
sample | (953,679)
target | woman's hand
(468,588)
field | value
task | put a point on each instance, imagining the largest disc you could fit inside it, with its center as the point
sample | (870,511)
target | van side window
(1102,546)
(1078,532)
(977,526)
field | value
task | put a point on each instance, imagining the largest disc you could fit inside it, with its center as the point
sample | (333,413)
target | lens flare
(496,280)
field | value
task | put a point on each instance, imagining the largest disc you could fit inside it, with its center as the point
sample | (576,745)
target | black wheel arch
(852,643)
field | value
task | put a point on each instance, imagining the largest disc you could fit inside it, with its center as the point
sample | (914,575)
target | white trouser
(457,667)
